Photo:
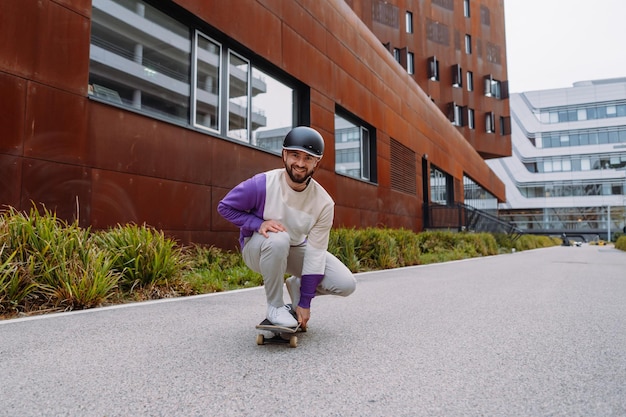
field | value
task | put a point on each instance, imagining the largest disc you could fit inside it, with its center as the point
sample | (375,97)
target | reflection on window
(140,57)
(353,149)
(207,90)
(272,111)
(574,114)
(143,59)
(438,186)
(433,68)
(238,69)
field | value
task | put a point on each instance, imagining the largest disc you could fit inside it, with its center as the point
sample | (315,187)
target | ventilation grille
(403,168)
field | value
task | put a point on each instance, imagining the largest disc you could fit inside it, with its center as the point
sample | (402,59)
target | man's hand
(271,226)
(303,314)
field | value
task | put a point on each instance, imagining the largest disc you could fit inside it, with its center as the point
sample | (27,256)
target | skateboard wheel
(260,339)
(293,341)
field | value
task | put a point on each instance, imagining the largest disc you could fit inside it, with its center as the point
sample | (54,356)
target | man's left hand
(303,314)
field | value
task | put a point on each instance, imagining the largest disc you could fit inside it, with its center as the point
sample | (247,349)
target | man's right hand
(273,226)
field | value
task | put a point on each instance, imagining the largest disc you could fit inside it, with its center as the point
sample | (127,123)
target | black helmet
(305,139)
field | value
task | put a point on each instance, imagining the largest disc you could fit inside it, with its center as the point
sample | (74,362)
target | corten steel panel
(19,23)
(129,142)
(231,163)
(249,22)
(10,180)
(169,205)
(79,6)
(62,188)
(64,61)
(56,125)
(12,104)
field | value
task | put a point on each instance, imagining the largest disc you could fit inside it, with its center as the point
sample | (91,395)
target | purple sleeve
(244,205)
(308,286)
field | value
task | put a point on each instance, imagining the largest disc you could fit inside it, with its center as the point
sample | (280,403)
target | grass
(48,265)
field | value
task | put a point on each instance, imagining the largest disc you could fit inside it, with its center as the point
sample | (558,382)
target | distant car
(579,244)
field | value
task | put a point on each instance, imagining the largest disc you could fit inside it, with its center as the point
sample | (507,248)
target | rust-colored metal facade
(104,165)
(444,30)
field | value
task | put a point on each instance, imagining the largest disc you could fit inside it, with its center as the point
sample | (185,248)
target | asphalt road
(536,333)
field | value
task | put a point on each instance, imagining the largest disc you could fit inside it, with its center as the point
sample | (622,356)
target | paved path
(537,333)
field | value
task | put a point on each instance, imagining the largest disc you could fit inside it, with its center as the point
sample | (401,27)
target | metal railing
(462,217)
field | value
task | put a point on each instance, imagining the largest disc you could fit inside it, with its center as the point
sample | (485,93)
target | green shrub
(142,255)
(621,243)
(213,270)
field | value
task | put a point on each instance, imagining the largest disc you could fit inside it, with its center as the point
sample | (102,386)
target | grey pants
(273,257)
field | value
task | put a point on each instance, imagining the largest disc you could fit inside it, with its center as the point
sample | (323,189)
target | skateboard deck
(282,334)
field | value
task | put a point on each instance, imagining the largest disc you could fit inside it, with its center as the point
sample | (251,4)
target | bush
(49,265)
(621,243)
(142,256)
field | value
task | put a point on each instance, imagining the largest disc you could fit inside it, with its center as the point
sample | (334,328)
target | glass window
(592,113)
(206,94)
(433,68)
(603,138)
(554,117)
(354,148)
(611,111)
(238,85)
(470,119)
(622,135)
(410,63)
(457,76)
(466,8)
(621,110)
(468,44)
(409,22)
(572,115)
(438,186)
(582,114)
(470,80)
(489,122)
(272,114)
(140,58)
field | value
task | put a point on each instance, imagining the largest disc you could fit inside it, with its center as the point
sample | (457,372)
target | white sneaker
(280,316)
(293,288)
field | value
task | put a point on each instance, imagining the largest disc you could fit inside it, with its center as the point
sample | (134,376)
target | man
(285,217)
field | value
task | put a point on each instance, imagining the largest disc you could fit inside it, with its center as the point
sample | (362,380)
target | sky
(555,43)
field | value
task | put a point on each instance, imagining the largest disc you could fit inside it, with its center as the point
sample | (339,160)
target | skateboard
(282,335)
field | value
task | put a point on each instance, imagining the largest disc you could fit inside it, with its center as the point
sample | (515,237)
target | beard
(299,177)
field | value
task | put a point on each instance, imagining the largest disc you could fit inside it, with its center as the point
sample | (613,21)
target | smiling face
(300,167)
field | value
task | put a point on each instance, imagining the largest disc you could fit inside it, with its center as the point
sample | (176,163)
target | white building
(567,173)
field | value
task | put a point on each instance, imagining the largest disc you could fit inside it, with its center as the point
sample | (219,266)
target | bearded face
(299,165)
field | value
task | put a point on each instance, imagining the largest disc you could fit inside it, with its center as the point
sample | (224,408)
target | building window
(489,122)
(470,119)
(142,59)
(355,147)
(468,44)
(410,63)
(466,8)
(272,116)
(409,22)
(457,76)
(207,84)
(470,80)
(238,93)
(439,186)
(396,55)
(433,68)
(144,65)
(455,114)
(493,88)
